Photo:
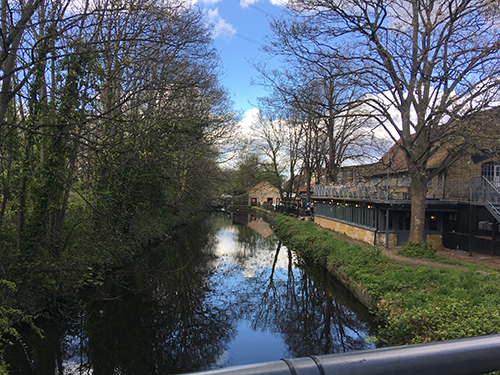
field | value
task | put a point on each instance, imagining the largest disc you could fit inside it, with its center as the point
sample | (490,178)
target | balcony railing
(387,190)
(361,191)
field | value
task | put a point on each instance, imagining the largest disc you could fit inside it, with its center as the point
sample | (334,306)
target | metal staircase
(484,191)
(494,209)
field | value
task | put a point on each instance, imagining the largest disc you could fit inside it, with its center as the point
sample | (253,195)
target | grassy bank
(413,304)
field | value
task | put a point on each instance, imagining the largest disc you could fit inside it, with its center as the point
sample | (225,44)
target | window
(433,222)
(491,171)
(404,220)
(351,213)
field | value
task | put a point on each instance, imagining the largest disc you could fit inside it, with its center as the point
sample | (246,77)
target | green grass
(413,304)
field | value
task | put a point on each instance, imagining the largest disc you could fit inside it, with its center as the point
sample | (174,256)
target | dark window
(404,220)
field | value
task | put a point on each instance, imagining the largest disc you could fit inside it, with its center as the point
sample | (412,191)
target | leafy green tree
(249,171)
(111,119)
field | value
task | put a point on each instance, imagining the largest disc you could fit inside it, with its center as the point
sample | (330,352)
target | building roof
(259,186)
(393,161)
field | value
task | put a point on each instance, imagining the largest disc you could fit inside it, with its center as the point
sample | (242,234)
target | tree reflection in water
(180,306)
(310,320)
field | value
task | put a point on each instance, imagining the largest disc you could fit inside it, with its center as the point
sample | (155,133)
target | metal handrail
(361,191)
(494,193)
(496,211)
(482,190)
(477,355)
(453,189)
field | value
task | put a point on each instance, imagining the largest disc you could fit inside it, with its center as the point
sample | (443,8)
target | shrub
(443,319)
(417,250)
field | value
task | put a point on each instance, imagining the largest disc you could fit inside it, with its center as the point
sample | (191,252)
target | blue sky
(240,30)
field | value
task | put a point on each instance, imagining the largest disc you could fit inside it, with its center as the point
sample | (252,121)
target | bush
(443,319)
(417,250)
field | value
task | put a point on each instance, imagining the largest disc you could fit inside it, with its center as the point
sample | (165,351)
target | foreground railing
(476,355)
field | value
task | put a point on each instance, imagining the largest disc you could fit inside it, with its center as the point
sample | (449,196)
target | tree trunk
(418,191)
(331,174)
(289,187)
(22,194)
(308,183)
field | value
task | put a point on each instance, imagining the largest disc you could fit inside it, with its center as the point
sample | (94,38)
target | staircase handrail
(493,189)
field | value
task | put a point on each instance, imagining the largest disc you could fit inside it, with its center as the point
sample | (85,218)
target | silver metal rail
(361,191)
(477,355)
(482,190)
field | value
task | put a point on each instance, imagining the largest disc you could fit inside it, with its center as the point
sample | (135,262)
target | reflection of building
(261,194)
(373,203)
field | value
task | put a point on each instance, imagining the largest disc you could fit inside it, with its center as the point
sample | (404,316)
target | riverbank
(414,300)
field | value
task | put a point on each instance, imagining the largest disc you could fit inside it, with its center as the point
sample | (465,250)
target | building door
(403,227)
(496,176)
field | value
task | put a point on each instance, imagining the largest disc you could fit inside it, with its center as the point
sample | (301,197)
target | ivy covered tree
(111,117)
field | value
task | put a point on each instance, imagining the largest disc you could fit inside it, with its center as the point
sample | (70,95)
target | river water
(222,293)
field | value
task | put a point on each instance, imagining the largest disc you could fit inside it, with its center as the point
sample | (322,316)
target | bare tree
(16,19)
(317,88)
(295,142)
(423,65)
(271,133)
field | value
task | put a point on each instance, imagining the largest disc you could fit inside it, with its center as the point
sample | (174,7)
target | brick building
(261,194)
(372,202)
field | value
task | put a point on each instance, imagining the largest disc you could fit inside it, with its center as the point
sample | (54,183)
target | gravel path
(457,255)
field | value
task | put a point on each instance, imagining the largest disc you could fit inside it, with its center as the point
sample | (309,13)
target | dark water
(216,295)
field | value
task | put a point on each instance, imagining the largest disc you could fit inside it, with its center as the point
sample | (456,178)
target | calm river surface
(216,295)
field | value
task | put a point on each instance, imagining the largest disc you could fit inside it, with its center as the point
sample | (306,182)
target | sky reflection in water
(217,295)
(283,312)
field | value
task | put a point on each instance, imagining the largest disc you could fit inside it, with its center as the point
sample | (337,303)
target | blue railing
(477,355)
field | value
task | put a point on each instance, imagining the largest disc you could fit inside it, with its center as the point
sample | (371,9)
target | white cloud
(220,25)
(210,2)
(246,3)
(249,120)
(242,137)
(279,2)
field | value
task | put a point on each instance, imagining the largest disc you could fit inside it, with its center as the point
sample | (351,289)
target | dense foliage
(413,304)
(111,116)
